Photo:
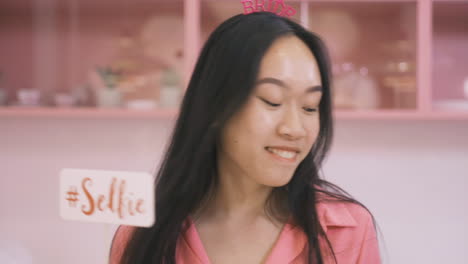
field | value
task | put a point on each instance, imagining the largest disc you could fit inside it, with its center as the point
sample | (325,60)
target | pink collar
(291,241)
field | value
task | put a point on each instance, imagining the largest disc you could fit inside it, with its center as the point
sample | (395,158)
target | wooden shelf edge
(86,112)
(401,115)
(357,1)
(171,114)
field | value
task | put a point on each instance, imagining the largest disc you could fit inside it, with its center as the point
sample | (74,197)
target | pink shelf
(436,28)
(56,46)
(400,115)
(372,59)
(88,112)
(450,54)
(343,1)
(171,114)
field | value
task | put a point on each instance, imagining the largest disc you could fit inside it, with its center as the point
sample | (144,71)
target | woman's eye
(307,109)
(270,103)
(310,109)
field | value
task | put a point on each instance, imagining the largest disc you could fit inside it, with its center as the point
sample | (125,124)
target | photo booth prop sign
(114,197)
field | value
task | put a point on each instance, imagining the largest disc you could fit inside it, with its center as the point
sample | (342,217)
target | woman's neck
(232,201)
(235,198)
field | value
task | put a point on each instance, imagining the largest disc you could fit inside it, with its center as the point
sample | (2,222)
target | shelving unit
(52,45)
(450,56)
(171,114)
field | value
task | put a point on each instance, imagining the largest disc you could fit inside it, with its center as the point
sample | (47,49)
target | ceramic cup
(108,97)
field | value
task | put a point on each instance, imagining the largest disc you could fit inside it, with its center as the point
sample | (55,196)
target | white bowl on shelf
(29,97)
(453,104)
(141,104)
(64,100)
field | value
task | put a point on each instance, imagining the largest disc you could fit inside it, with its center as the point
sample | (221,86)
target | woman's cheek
(268,117)
(313,131)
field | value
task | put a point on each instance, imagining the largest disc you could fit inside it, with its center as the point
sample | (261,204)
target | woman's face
(276,128)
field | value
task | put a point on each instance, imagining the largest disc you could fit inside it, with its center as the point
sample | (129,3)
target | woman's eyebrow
(280,83)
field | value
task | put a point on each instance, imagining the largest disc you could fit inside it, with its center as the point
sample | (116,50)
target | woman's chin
(276,182)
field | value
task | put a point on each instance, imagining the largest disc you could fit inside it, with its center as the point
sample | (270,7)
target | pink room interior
(98,85)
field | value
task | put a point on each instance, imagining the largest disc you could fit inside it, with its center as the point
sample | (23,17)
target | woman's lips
(278,156)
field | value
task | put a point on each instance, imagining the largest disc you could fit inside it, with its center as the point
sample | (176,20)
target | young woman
(240,180)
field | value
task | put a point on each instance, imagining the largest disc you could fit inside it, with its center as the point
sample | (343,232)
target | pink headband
(251,6)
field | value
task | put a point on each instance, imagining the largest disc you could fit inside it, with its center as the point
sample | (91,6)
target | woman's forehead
(290,60)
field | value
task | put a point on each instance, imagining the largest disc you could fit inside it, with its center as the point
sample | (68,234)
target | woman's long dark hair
(220,85)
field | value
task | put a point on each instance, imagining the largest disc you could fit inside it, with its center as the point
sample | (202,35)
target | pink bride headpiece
(275,6)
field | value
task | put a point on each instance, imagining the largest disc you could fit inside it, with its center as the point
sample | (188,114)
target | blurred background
(97,85)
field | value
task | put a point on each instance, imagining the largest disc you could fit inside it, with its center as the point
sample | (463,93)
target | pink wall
(411,174)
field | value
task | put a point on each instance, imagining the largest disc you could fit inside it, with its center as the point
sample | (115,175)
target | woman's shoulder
(335,211)
(119,241)
(350,229)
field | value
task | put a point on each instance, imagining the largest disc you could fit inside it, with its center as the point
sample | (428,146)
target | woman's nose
(291,125)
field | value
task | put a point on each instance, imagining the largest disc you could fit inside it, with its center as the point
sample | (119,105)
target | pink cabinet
(373,47)
(392,59)
(90,55)
(450,56)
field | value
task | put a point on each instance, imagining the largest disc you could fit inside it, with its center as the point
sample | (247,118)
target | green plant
(109,76)
(170,77)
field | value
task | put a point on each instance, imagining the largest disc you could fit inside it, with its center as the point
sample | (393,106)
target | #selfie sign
(115,197)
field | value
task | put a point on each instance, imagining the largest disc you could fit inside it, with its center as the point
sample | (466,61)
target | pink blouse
(349,228)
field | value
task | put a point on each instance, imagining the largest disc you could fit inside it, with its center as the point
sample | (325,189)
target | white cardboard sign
(115,197)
